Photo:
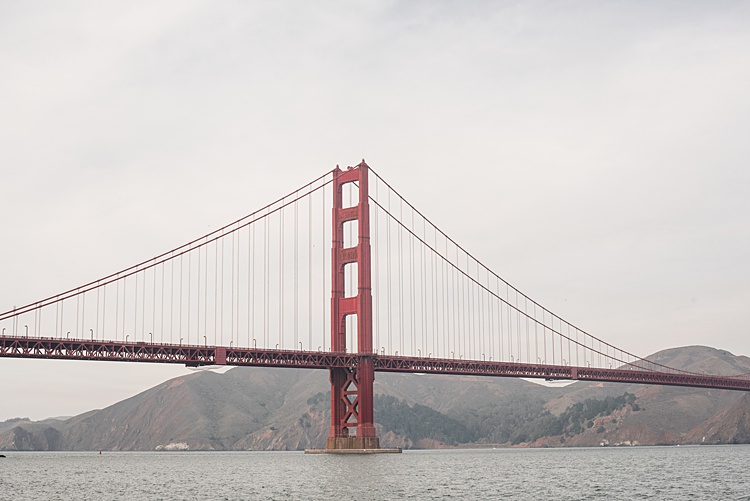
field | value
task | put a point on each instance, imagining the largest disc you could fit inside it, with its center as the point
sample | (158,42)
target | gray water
(607,473)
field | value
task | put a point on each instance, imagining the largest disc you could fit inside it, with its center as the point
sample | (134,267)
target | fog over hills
(287,409)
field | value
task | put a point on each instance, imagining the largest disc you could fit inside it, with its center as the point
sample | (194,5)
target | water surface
(663,473)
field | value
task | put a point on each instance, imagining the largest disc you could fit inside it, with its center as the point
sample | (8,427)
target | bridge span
(342,274)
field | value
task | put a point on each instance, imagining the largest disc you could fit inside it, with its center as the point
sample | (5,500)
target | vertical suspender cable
(153,307)
(171,302)
(251,282)
(412,316)
(376,267)
(83,313)
(325,261)
(388,270)
(104,310)
(143,309)
(234,278)
(117,309)
(161,312)
(423,279)
(309,270)
(189,288)
(216,292)
(205,300)
(221,294)
(78,309)
(198,301)
(135,308)
(401,278)
(296,269)
(444,292)
(179,310)
(237,285)
(281,275)
(265,281)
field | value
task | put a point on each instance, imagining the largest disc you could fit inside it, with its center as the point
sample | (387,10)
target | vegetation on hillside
(523,419)
(419,421)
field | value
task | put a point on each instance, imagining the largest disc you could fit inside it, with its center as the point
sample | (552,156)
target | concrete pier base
(352,445)
(352,451)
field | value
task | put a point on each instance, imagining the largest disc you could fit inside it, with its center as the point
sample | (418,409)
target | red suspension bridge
(342,274)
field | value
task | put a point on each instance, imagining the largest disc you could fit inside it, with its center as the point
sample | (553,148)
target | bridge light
(255,343)
(27,330)
(151,334)
(182,339)
(67,336)
(300,346)
(126,338)
(419,352)
(92,334)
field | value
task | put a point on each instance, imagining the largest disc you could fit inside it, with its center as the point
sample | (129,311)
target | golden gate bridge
(342,274)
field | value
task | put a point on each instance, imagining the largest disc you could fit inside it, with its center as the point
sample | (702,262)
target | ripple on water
(663,473)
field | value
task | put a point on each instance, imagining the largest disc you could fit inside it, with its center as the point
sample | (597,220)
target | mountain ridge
(288,409)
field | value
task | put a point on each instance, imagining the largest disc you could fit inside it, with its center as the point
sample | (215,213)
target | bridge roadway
(196,355)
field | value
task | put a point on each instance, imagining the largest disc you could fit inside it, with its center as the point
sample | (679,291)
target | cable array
(434,299)
(261,281)
(264,281)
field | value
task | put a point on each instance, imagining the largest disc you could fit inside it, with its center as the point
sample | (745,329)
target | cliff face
(287,409)
(730,425)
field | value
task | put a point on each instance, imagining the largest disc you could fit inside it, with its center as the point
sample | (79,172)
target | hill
(287,409)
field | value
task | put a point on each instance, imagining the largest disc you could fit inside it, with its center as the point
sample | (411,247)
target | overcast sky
(594,154)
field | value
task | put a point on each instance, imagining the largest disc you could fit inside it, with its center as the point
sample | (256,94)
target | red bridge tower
(351,387)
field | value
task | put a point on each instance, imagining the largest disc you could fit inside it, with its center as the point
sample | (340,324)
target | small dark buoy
(100,453)
(2,455)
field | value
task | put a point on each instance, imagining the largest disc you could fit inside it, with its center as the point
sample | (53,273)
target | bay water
(659,473)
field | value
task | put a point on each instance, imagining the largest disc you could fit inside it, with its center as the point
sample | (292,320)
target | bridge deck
(194,355)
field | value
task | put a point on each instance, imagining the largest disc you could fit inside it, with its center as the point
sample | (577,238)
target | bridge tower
(352,424)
